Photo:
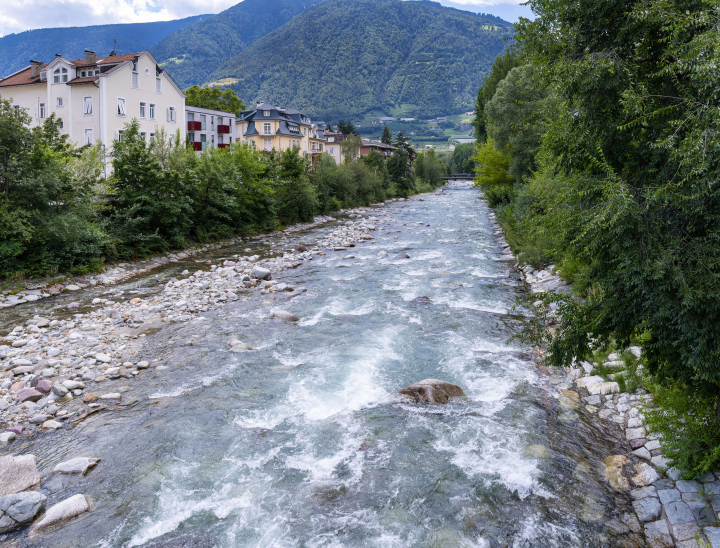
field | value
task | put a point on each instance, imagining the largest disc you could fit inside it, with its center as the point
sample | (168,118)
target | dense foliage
(16,50)
(346,57)
(193,53)
(58,211)
(215,99)
(608,125)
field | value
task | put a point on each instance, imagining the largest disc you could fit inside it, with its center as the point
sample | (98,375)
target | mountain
(348,57)
(16,50)
(190,55)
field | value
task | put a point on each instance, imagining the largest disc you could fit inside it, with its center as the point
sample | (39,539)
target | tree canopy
(214,98)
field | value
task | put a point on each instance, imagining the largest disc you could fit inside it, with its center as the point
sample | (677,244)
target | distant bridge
(466,176)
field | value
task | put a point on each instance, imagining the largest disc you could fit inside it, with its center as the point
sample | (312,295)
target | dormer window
(266,113)
(60,74)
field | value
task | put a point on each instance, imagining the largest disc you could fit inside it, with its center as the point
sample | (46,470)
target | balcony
(222,129)
(223,145)
(197,145)
(194,126)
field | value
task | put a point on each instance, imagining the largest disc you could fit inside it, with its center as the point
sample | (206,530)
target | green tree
(386,136)
(639,127)
(347,128)
(503,64)
(400,172)
(214,98)
(462,158)
(402,143)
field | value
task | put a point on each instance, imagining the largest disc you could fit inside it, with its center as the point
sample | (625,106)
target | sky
(20,15)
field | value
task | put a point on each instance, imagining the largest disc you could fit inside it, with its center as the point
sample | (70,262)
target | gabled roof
(22,78)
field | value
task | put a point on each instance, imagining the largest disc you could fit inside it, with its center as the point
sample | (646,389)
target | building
(333,148)
(93,98)
(387,119)
(268,127)
(368,145)
(208,128)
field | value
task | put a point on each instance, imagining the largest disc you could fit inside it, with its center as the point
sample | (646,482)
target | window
(152,111)
(143,135)
(171,114)
(304,130)
(152,135)
(191,137)
(266,113)
(89,137)
(220,120)
(42,111)
(60,74)
(143,110)
(158,83)
(212,123)
(83,73)
(203,140)
(121,135)
(121,107)
(202,121)
(59,102)
(220,142)
(267,129)
(135,75)
(97,72)
(267,144)
(190,116)
(61,124)
(87,106)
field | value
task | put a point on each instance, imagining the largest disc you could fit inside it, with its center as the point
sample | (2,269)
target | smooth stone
(642,453)
(260,273)
(402,256)
(62,511)
(73,306)
(28,394)
(652,445)
(104,358)
(143,365)
(43,386)
(51,425)
(657,535)
(432,391)
(637,443)
(661,462)
(73,385)
(89,398)
(72,287)
(646,474)
(6,437)
(613,472)
(111,396)
(644,492)
(284,316)
(38,419)
(79,465)
(300,248)
(59,390)
(588,381)
(647,509)
(20,508)
(18,474)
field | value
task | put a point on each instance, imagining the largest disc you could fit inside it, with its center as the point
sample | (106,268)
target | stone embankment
(54,371)
(670,511)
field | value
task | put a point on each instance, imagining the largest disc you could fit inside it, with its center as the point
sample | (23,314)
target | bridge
(464,176)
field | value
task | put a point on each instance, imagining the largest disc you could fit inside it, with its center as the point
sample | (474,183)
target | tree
(386,136)
(347,128)
(403,144)
(350,147)
(503,64)
(462,158)
(400,172)
(639,130)
(491,166)
(214,98)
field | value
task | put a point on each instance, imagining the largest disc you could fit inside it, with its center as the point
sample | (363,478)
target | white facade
(207,128)
(96,97)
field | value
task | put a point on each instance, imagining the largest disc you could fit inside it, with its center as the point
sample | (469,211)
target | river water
(301,443)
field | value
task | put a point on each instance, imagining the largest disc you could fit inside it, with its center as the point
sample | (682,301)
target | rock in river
(62,511)
(79,465)
(19,509)
(18,474)
(402,256)
(284,316)
(432,391)
(260,273)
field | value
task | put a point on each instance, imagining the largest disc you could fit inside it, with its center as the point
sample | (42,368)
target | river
(301,443)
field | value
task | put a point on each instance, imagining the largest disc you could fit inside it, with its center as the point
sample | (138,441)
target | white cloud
(20,15)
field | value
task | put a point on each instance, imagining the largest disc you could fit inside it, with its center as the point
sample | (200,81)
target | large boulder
(432,391)
(18,474)
(284,316)
(63,511)
(18,509)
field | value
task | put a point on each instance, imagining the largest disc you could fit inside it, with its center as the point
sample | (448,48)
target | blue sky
(20,15)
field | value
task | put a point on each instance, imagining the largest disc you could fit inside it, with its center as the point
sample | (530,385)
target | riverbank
(670,511)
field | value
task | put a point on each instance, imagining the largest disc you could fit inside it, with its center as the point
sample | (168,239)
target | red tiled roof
(106,60)
(20,78)
(83,80)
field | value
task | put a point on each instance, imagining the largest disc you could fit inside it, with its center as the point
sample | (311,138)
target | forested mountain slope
(16,50)
(346,57)
(193,53)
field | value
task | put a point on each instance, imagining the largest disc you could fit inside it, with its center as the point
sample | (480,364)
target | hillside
(346,57)
(193,53)
(16,50)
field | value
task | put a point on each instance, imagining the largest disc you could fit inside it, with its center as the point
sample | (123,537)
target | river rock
(43,386)
(79,465)
(613,472)
(28,394)
(51,425)
(432,391)
(236,345)
(59,390)
(104,358)
(20,508)
(18,474)
(143,365)
(6,437)
(284,316)
(260,273)
(402,256)
(63,511)
(300,248)
(112,396)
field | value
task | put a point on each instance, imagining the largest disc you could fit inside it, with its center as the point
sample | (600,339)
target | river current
(300,443)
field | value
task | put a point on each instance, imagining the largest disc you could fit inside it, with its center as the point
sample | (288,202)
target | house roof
(83,80)
(21,78)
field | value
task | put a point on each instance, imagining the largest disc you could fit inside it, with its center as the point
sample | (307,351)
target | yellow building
(268,127)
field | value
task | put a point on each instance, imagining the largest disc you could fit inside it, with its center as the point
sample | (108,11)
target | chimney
(90,57)
(35,68)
